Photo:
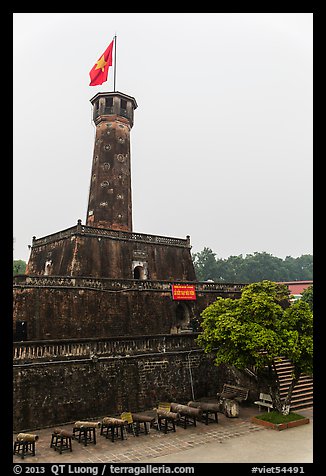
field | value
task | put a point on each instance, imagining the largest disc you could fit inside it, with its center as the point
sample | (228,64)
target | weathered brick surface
(62,313)
(109,257)
(54,393)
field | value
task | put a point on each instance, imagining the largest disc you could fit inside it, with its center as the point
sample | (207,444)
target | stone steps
(302,396)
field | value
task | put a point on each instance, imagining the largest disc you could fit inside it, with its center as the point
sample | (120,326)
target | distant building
(296,288)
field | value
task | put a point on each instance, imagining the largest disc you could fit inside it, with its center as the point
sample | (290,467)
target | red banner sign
(183,292)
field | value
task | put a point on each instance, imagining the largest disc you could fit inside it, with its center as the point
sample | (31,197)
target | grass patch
(276,417)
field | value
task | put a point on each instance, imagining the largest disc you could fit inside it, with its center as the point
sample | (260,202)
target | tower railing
(108,284)
(117,234)
(95,348)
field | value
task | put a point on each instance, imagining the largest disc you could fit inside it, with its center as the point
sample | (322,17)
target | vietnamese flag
(99,72)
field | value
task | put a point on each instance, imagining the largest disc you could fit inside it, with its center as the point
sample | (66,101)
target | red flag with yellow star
(99,72)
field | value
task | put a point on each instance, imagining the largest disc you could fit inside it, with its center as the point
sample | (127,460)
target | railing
(67,349)
(107,284)
(118,234)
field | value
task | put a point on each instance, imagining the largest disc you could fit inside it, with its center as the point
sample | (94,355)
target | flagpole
(115,59)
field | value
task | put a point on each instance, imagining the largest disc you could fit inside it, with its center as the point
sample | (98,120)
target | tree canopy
(308,296)
(261,326)
(251,268)
(19,267)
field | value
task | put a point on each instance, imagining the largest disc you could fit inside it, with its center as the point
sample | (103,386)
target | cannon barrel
(26,437)
(113,421)
(65,433)
(194,404)
(205,406)
(87,424)
(167,414)
(186,410)
(142,418)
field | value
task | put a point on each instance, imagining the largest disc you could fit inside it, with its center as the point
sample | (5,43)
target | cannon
(166,419)
(25,444)
(139,419)
(188,415)
(65,433)
(166,414)
(87,424)
(113,425)
(113,421)
(142,418)
(86,431)
(61,440)
(208,409)
(186,410)
(26,437)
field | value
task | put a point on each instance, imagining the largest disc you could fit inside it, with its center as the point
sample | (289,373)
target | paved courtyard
(231,440)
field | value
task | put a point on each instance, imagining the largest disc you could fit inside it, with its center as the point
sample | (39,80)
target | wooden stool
(186,420)
(206,416)
(143,419)
(110,424)
(85,434)
(208,409)
(85,431)
(24,448)
(166,420)
(114,430)
(25,444)
(61,440)
(167,425)
(188,414)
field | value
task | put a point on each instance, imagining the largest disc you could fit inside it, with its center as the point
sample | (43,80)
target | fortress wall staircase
(302,396)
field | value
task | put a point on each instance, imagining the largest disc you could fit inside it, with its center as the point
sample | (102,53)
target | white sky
(222,143)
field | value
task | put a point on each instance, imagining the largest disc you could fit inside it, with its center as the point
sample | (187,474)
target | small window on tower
(123,107)
(108,106)
(96,110)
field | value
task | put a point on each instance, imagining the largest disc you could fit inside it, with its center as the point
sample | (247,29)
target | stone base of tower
(107,253)
(65,307)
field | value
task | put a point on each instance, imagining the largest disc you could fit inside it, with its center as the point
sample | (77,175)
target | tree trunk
(269,377)
(287,402)
(274,390)
(270,380)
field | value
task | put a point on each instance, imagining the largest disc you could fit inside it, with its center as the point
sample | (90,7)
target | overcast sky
(222,143)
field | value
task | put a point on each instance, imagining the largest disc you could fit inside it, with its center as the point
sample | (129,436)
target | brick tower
(106,246)
(109,204)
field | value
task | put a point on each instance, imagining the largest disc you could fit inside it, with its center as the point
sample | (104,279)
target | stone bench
(265,400)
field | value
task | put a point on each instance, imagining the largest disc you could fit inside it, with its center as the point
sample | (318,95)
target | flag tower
(109,204)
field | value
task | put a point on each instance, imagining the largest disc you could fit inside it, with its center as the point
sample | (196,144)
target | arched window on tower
(139,272)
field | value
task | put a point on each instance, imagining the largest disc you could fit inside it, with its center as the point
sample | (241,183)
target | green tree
(251,268)
(259,266)
(255,330)
(19,267)
(205,265)
(308,296)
